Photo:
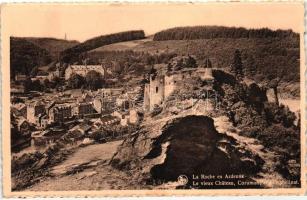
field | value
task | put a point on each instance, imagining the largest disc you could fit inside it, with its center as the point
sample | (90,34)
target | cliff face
(189,146)
(196,134)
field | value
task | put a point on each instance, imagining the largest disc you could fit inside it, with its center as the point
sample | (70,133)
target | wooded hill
(52,45)
(210,32)
(71,54)
(29,52)
(24,56)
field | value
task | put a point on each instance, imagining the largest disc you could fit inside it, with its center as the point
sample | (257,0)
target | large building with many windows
(82,70)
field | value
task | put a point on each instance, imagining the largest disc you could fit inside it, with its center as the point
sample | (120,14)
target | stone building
(40,78)
(54,74)
(19,109)
(84,108)
(101,104)
(82,70)
(108,92)
(133,116)
(127,117)
(123,116)
(34,110)
(22,125)
(60,113)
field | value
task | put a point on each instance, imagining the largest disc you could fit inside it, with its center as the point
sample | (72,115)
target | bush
(276,114)
(76,81)
(94,80)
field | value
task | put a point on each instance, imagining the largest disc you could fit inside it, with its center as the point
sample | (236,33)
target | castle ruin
(160,87)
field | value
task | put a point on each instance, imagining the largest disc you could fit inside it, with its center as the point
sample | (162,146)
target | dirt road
(86,169)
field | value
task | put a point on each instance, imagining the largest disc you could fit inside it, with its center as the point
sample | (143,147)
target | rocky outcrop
(184,146)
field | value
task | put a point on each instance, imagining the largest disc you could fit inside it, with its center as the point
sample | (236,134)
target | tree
(150,60)
(236,66)
(191,62)
(250,69)
(17,100)
(152,70)
(47,83)
(76,81)
(169,68)
(56,82)
(36,86)
(34,71)
(207,63)
(27,84)
(94,80)
(152,73)
(279,114)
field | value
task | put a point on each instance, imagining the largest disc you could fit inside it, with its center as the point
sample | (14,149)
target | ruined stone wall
(169,85)
(156,91)
(147,97)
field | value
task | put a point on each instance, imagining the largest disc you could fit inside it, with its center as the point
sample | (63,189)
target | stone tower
(154,92)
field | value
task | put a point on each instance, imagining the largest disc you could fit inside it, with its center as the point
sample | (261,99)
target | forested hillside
(72,54)
(210,32)
(52,45)
(24,56)
(266,54)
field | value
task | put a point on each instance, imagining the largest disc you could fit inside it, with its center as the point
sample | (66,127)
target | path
(86,169)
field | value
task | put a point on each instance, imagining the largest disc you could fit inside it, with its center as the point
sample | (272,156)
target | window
(157,89)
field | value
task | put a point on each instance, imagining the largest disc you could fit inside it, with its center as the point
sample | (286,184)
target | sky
(82,22)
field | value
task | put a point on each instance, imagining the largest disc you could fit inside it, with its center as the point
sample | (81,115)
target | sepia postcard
(153,99)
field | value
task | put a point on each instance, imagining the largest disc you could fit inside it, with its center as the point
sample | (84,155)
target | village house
(82,70)
(83,108)
(23,125)
(104,104)
(49,106)
(85,97)
(80,130)
(133,116)
(106,121)
(20,109)
(34,109)
(40,78)
(17,89)
(54,74)
(20,77)
(107,92)
(60,113)
(123,116)
(43,120)
(42,138)
(127,117)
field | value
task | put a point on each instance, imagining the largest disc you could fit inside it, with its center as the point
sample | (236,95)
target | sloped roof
(20,121)
(19,106)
